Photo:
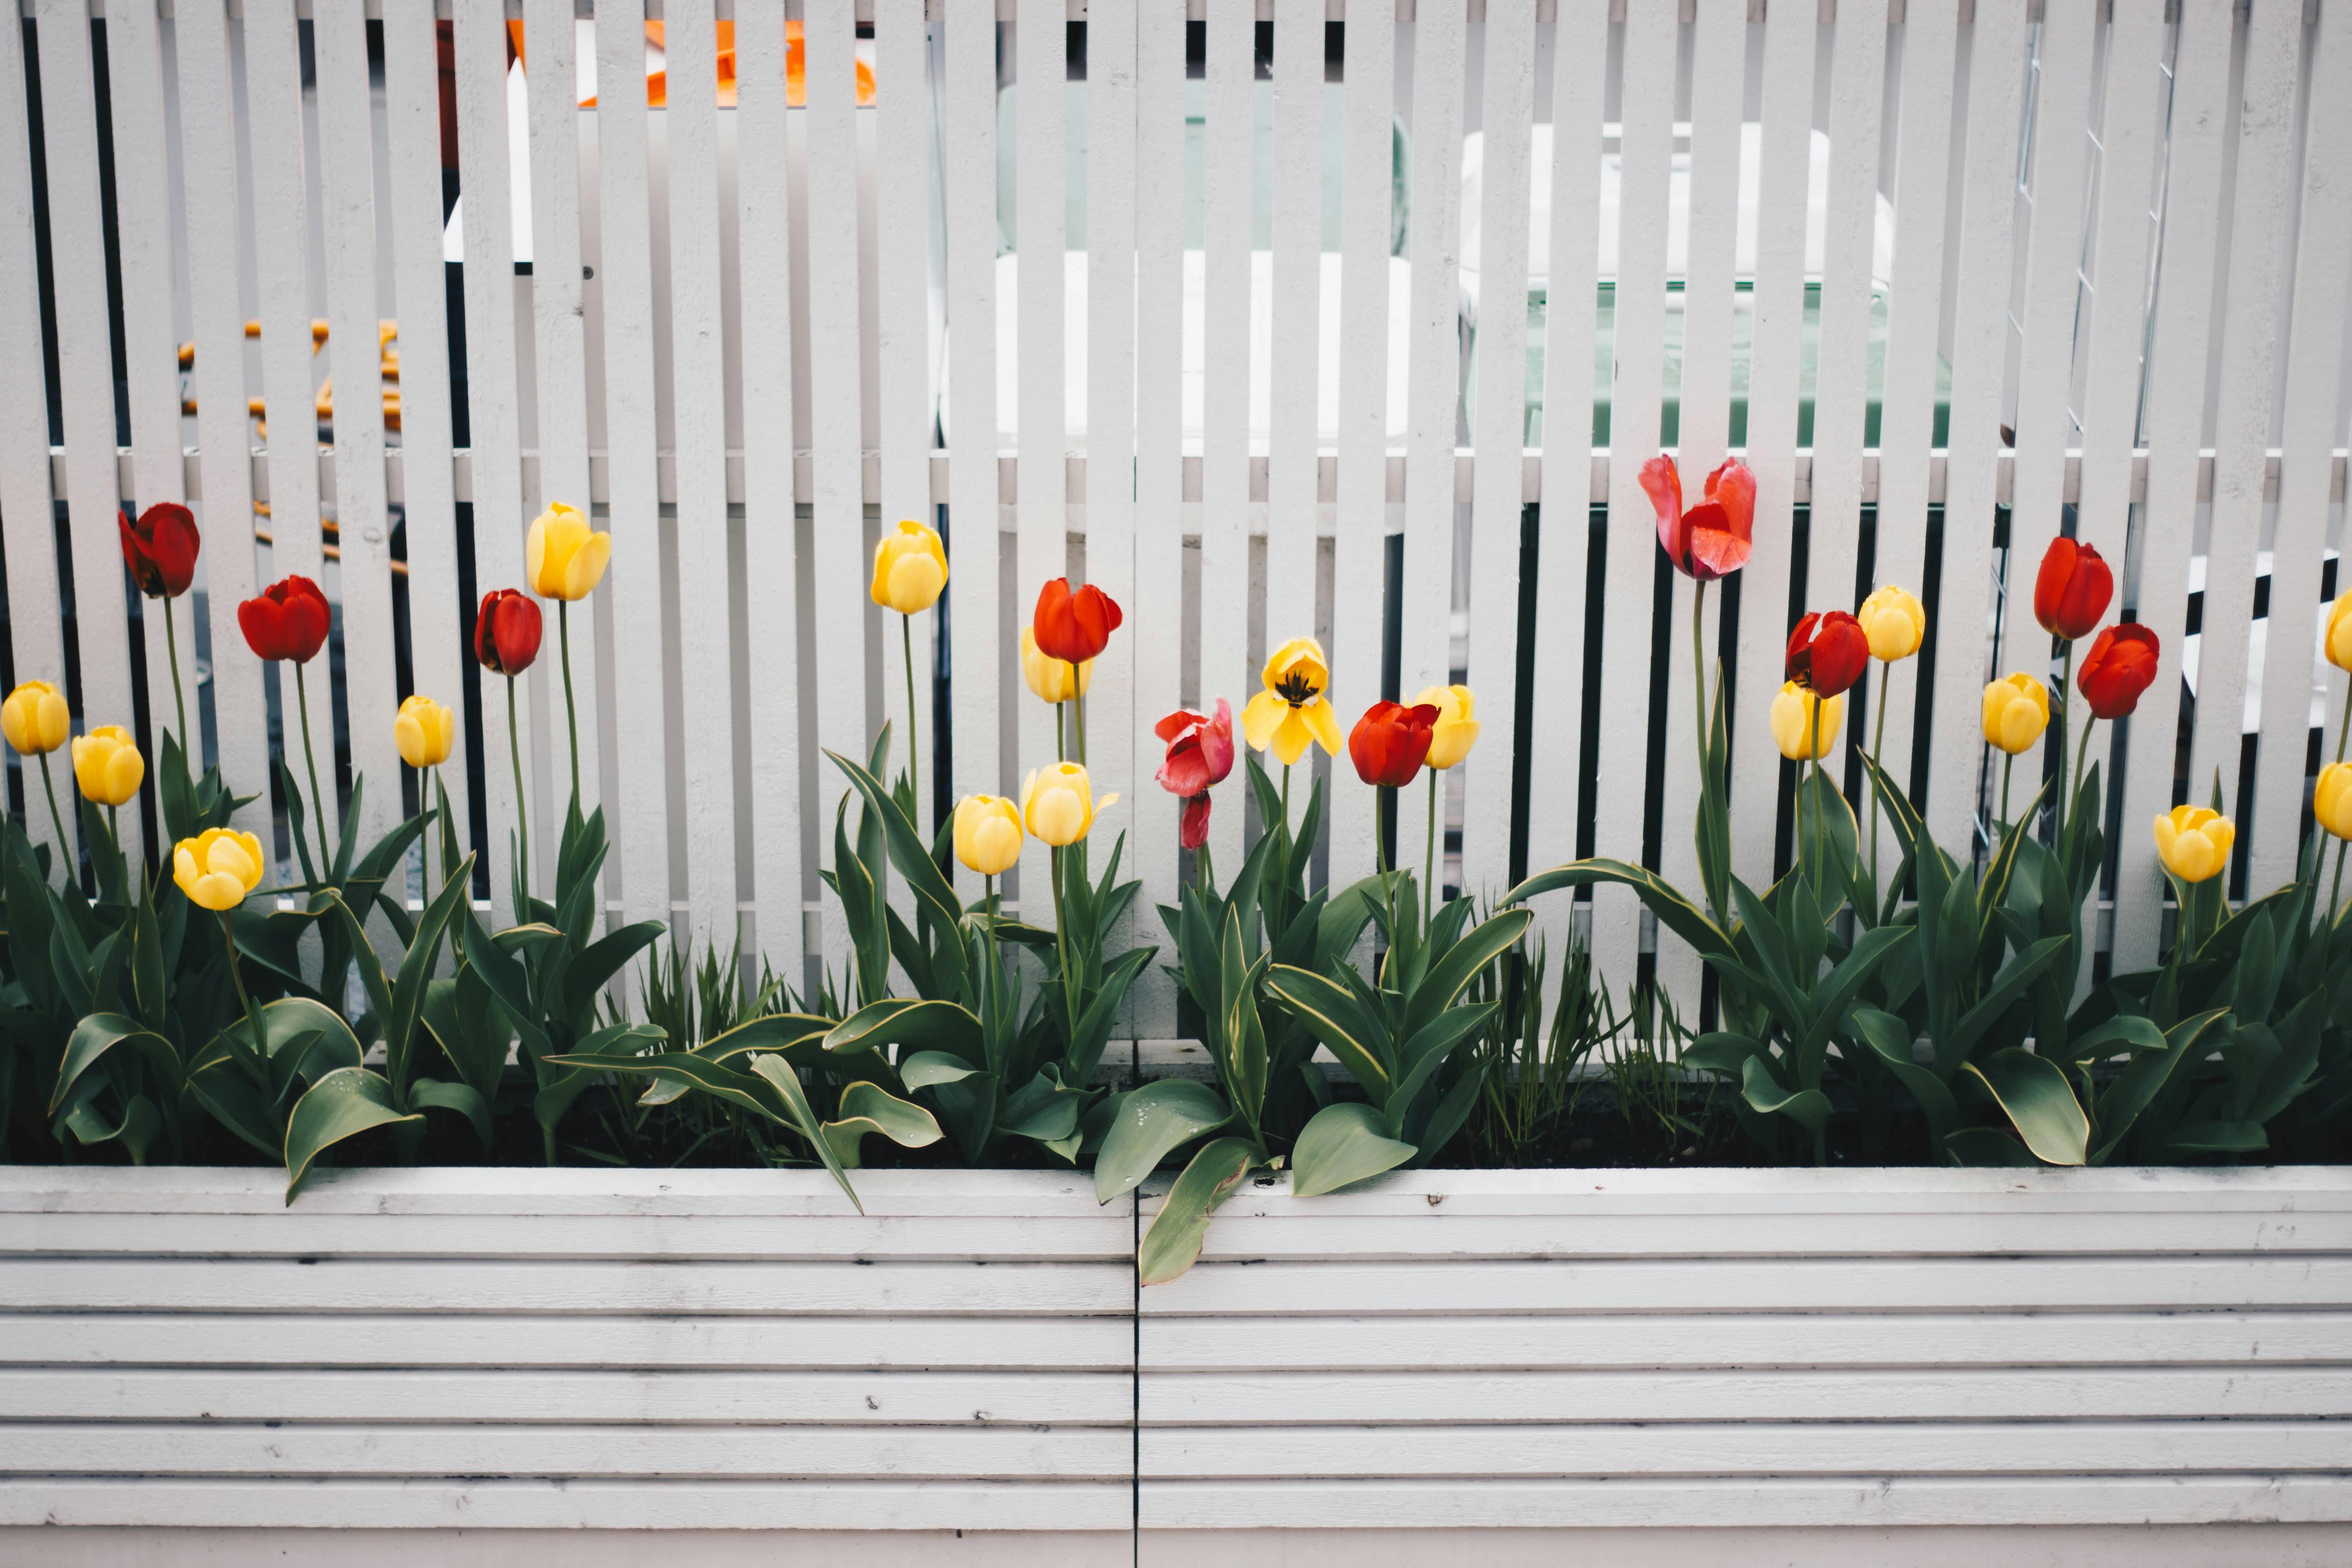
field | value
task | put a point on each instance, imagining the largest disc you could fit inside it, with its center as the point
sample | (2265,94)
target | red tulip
(161,549)
(1193,826)
(1199,749)
(2120,666)
(1074,625)
(286,620)
(1712,539)
(506,632)
(2072,592)
(1391,742)
(1828,653)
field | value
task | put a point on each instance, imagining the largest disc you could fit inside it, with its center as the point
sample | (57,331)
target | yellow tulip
(34,718)
(1791,717)
(1058,803)
(1292,712)
(1894,622)
(910,569)
(1456,730)
(1054,680)
(988,834)
(2016,711)
(2331,801)
(107,765)
(218,868)
(2339,631)
(425,731)
(562,559)
(2193,842)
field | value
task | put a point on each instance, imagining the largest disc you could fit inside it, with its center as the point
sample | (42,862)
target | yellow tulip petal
(1323,723)
(1263,714)
(586,567)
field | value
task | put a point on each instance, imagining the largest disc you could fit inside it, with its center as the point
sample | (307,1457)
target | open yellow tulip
(1292,712)
(1456,730)
(1054,680)
(34,718)
(1058,803)
(2193,842)
(2016,711)
(562,559)
(218,868)
(2331,799)
(1894,622)
(910,569)
(425,731)
(108,767)
(988,834)
(1792,718)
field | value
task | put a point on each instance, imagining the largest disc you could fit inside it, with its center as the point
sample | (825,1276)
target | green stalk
(1816,748)
(1285,797)
(1059,754)
(1078,723)
(2008,761)
(571,713)
(1201,875)
(1429,853)
(2063,711)
(245,1000)
(179,697)
(522,814)
(1877,745)
(2344,726)
(1062,939)
(310,761)
(65,845)
(2082,755)
(914,771)
(2337,886)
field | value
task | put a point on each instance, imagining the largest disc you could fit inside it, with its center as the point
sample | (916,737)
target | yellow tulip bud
(2331,801)
(988,834)
(1057,804)
(2193,842)
(2016,711)
(562,559)
(1456,730)
(425,731)
(910,569)
(108,767)
(1054,680)
(2339,631)
(218,868)
(34,718)
(1791,718)
(1894,622)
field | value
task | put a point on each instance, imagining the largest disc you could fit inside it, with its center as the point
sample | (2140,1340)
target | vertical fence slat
(1776,341)
(1041,194)
(347,228)
(2197,124)
(2258,233)
(1915,311)
(1563,551)
(771,556)
(35,620)
(706,632)
(1118,739)
(1635,399)
(437,623)
(902,226)
(143,206)
(969,152)
(281,252)
(493,409)
(1292,481)
(85,366)
(624,267)
(1360,546)
(1500,437)
(559,337)
(1225,394)
(1159,468)
(835,374)
(2315,370)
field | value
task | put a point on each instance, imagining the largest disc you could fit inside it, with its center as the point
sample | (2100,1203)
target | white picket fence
(2107,239)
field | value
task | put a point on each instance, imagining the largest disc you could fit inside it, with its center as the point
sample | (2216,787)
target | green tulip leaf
(921,1070)
(1808,1107)
(868,1108)
(344,1104)
(906,1021)
(1345,1143)
(100,1033)
(1148,1124)
(2033,1093)
(1173,1242)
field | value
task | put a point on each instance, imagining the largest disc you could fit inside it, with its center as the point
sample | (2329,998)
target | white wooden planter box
(1872,1366)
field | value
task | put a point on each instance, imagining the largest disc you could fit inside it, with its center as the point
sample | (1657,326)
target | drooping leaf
(1148,1124)
(99,1033)
(869,1108)
(2033,1093)
(1173,1242)
(1344,1143)
(344,1104)
(1678,914)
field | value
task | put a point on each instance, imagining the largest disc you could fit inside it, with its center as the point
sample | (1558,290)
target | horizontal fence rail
(1258,315)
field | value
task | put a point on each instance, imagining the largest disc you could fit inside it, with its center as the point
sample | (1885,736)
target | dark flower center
(1296,688)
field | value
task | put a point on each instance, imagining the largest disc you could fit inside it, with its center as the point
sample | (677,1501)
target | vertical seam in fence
(1226,393)
(1041,425)
(970,157)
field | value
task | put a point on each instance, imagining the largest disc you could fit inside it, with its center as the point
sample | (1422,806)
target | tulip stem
(2009,760)
(1062,943)
(65,845)
(310,761)
(1286,797)
(1429,853)
(2337,886)
(2082,755)
(1201,873)
(1816,748)
(914,772)
(1699,709)
(243,999)
(522,816)
(1061,753)
(2064,712)
(179,697)
(425,834)
(571,714)
(1078,723)
(2344,726)
(1877,745)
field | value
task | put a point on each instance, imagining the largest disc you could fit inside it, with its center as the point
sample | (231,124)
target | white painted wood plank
(210,181)
(85,369)
(1500,438)
(1293,514)
(2258,227)
(1776,341)
(1040,424)
(771,555)
(2315,373)
(494,415)
(1434,403)
(142,205)
(439,626)
(970,155)
(1563,558)
(1360,546)
(699,374)
(1226,508)
(625,268)
(1978,355)
(347,231)
(28,508)
(1622,766)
